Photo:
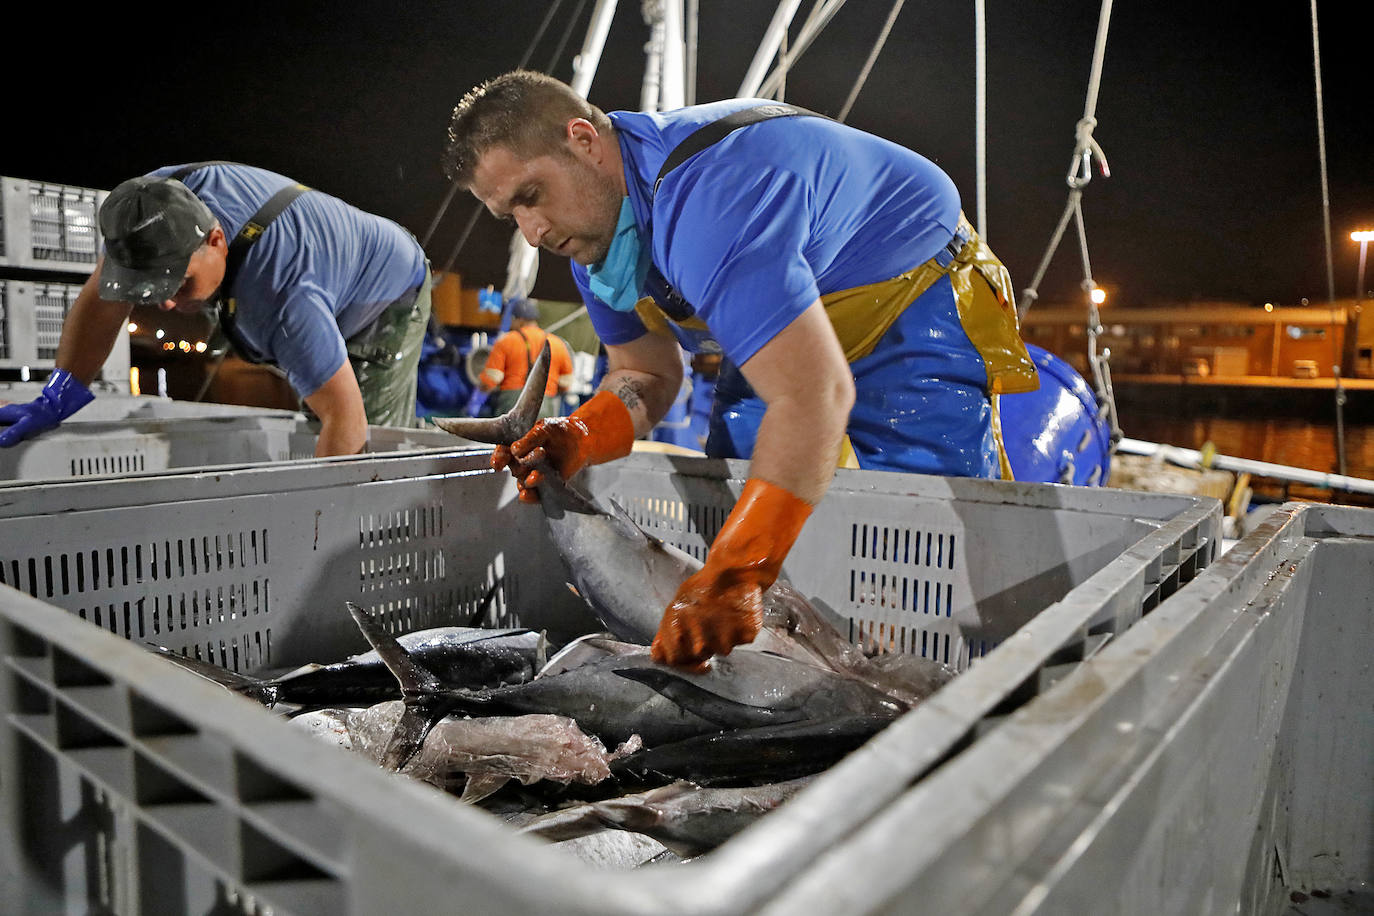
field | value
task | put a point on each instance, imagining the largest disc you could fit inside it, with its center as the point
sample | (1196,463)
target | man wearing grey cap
(336,298)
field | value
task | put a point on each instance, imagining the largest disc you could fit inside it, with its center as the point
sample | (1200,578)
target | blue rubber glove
(61,397)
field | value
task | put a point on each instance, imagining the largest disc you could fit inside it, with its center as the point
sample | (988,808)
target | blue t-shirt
(322,271)
(756,227)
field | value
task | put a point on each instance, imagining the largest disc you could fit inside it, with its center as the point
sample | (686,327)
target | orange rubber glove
(721,605)
(600,430)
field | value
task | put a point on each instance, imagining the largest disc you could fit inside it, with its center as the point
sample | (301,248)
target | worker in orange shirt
(514,353)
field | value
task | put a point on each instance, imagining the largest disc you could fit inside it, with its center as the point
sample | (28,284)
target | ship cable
(1326,225)
(1086,152)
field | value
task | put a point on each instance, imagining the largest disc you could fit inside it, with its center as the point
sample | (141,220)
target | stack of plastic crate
(130,785)
(49,244)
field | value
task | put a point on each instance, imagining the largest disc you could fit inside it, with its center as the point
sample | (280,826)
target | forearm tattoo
(631,392)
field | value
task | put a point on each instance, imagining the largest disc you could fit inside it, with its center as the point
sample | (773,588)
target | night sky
(1208,119)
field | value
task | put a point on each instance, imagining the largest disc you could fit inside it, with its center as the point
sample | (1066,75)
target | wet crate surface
(172,788)
(146,435)
(1214,758)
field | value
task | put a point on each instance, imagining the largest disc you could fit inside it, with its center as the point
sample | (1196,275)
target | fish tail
(513,424)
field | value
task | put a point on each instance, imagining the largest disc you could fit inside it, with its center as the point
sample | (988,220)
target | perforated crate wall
(49,226)
(4,319)
(924,573)
(179,798)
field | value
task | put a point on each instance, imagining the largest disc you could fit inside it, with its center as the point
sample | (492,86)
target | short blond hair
(524,111)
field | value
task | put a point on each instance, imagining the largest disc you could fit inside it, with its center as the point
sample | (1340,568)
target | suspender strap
(669,299)
(252,231)
(710,134)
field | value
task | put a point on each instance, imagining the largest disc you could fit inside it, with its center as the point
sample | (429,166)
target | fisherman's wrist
(608,428)
(759,532)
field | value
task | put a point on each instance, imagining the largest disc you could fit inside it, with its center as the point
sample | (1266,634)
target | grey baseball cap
(151,226)
(527,309)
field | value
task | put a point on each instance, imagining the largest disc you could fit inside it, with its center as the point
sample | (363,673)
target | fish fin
(415,680)
(244,684)
(541,651)
(479,785)
(575,654)
(485,605)
(699,701)
(517,421)
(412,728)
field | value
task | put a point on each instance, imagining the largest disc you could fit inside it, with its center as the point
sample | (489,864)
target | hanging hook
(1085,150)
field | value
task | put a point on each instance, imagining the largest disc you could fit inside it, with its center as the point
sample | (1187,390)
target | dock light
(1268,306)
(133,381)
(184,346)
(200,346)
(1363,236)
(133,327)
(160,333)
(1098,295)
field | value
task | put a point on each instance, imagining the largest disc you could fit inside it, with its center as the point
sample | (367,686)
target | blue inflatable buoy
(1057,433)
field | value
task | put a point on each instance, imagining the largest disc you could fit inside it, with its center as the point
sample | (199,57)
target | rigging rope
(872,57)
(980,105)
(1326,227)
(453,186)
(1086,151)
(818,19)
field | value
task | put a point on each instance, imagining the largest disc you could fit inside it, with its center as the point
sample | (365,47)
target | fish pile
(596,737)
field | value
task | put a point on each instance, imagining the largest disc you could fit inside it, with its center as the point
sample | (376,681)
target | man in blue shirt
(834,269)
(335,297)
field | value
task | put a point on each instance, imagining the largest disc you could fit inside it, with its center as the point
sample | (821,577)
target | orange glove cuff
(757,536)
(608,430)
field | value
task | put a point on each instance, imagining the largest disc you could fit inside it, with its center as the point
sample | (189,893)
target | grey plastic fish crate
(31,317)
(119,405)
(45,226)
(132,786)
(144,442)
(1216,758)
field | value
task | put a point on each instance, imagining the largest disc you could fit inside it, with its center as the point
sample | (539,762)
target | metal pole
(650,90)
(690,90)
(673,93)
(768,48)
(586,62)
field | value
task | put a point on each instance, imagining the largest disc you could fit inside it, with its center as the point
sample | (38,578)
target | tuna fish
(624,693)
(456,656)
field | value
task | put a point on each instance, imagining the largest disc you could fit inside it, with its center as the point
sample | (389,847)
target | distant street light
(1099,295)
(1363,236)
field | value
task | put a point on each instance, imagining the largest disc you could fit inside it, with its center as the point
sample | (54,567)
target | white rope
(1326,226)
(872,57)
(819,18)
(1086,152)
(980,103)
(1321,155)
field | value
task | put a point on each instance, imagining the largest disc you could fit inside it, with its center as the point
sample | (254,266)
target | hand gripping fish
(624,693)
(629,577)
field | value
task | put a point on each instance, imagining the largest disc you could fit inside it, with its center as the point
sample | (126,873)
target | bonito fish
(625,693)
(457,656)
